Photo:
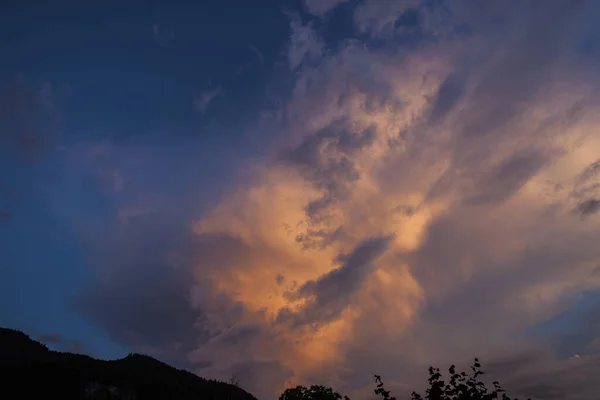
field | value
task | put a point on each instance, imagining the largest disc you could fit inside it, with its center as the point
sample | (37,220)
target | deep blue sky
(123,76)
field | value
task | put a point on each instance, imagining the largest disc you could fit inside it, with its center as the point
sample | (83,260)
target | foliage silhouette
(461,386)
(75,376)
(315,392)
(234,380)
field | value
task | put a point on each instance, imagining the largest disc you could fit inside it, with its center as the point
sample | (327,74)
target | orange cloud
(376,149)
(424,203)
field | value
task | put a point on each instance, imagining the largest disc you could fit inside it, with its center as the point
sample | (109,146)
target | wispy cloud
(203,99)
(320,7)
(258,54)
(304,44)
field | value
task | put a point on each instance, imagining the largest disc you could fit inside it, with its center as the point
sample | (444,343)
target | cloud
(421,206)
(243,350)
(320,7)
(569,379)
(587,190)
(506,179)
(376,16)
(258,54)
(330,294)
(203,100)
(589,207)
(479,176)
(304,45)
(139,295)
(260,375)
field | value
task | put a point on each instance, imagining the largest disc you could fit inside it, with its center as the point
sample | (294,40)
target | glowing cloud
(430,199)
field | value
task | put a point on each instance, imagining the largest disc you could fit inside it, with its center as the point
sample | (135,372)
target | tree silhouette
(461,386)
(315,392)
(234,379)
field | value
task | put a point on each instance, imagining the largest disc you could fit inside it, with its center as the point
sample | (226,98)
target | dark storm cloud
(448,95)
(508,365)
(221,250)
(259,376)
(152,288)
(587,190)
(591,172)
(588,207)
(523,69)
(240,333)
(318,239)
(140,295)
(495,104)
(147,310)
(573,380)
(507,178)
(459,246)
(325,158)
(511,71)
(316,152)
(533,371)
(329,295)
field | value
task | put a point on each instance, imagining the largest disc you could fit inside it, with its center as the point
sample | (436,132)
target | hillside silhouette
(30,370)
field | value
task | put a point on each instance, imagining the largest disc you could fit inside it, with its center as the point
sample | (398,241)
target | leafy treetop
(461,386)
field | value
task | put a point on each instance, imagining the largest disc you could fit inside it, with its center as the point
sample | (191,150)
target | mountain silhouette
(28,369)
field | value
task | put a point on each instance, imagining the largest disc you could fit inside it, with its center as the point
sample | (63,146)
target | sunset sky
(307,191)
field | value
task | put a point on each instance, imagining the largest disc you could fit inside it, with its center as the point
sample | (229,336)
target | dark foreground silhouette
(29,370)
(460,386)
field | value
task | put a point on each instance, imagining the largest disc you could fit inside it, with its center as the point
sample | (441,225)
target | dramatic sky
(307,191)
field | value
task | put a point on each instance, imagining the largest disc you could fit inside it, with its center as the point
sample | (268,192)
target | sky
(308,191)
